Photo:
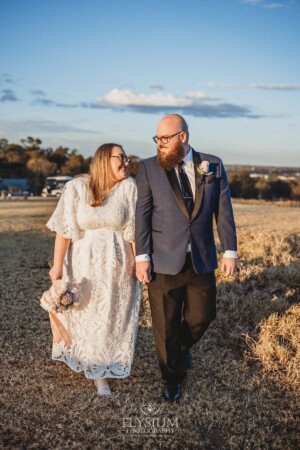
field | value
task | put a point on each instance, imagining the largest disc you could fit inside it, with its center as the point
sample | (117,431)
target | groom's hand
(143,271)
(229,265)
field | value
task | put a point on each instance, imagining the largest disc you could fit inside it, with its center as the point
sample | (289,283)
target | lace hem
(60,352)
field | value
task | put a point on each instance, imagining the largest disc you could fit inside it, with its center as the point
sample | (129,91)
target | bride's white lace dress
(99,336)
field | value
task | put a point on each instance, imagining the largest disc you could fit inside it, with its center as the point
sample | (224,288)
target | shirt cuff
(230,254)
(140,258)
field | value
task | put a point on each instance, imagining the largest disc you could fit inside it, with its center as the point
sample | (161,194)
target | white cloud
(213,84)
(269,5)
(127,97)
(266,86)
(197,104)
(193,103)
(200,96)
(252,2)
(274,6)
(277,87)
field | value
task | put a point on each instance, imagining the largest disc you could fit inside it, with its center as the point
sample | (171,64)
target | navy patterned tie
(186,188)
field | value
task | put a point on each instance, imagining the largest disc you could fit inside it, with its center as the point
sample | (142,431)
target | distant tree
(242,185)
(74,165)
(87,164)
(32,146)
(48,152)
(31,142)
(295,194)
(280,188)
(12,160)
(13,153)
(3,143)
(234,184)
(134,165)
(38,169)
(60,156)
(263,188)
(41,166)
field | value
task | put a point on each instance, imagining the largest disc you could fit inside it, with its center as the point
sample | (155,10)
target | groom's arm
(226,225)
(143,220)
(143,225)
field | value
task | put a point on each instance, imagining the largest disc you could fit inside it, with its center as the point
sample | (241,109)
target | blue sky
(80,73)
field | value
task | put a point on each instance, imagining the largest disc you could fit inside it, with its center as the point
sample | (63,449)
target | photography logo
(150,419)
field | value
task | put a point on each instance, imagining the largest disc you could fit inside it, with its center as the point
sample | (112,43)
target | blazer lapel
(199,185)
(172,177)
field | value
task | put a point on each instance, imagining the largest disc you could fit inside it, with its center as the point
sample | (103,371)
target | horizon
(78,75)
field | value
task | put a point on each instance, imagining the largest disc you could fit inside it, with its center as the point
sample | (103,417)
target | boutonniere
(203,169)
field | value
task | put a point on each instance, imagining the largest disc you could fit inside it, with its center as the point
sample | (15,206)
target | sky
(79,73)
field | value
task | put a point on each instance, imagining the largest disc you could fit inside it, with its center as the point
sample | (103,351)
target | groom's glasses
(165,139)
(123,159)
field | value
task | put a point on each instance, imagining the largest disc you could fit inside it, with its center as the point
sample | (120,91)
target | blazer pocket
(210,179)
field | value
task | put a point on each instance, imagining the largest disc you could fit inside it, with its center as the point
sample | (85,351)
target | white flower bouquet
(61,296)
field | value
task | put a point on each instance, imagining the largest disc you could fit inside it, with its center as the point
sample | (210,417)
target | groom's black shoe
(172,392)
(188,360)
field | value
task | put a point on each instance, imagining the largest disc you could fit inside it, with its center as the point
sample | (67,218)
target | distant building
(286,178)
(14,186)
(259,175)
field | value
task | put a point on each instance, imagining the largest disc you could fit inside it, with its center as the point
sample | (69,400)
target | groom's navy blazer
(163,225)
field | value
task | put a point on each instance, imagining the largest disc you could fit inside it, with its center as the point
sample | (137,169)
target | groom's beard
(170,160)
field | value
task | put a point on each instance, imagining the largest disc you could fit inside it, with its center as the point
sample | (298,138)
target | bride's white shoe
(102,386)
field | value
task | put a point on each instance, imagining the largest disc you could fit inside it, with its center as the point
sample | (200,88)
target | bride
(94,225)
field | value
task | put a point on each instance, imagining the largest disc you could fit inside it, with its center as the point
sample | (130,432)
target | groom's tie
(186,188)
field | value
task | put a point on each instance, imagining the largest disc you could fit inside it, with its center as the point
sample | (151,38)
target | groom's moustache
(170,160)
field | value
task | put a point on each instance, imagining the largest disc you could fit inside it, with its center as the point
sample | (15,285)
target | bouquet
(61,296)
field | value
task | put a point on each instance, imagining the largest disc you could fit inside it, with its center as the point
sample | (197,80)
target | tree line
(32,161)
(270,187)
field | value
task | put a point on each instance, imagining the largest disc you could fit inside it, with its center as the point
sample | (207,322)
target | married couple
(107,226)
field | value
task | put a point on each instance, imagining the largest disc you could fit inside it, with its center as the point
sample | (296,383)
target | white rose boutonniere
(203,169)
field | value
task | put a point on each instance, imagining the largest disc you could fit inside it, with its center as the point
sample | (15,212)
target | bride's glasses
(123,159)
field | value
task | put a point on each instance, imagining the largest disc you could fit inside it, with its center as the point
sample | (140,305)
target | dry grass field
(244,389)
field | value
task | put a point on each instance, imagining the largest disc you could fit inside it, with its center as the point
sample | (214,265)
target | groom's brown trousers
(182,307)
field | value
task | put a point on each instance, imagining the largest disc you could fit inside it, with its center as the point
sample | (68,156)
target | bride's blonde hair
(101,178)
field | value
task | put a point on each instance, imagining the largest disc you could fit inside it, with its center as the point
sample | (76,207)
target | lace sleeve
(131,198)
(64,219)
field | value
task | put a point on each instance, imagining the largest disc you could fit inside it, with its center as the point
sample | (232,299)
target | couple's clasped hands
(143,269)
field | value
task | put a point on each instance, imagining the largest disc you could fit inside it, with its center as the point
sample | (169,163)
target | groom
(179,192)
